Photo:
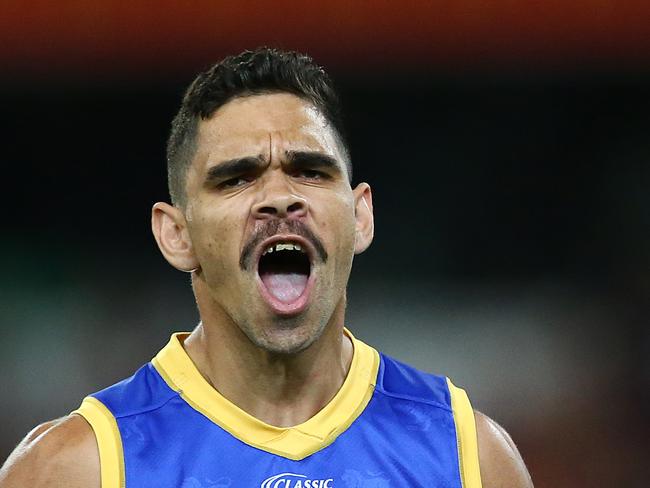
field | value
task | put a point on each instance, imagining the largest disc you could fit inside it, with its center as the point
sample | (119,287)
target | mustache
(273,227)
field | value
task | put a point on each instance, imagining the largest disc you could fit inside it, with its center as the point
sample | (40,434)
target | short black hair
(261,71)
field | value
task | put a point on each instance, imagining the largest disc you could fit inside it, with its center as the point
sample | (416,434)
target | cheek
(340,225)
(215,243)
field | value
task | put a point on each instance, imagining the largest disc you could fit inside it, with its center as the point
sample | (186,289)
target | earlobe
(169,228)
(365,222)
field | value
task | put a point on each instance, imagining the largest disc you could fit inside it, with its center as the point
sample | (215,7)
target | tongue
(286,287)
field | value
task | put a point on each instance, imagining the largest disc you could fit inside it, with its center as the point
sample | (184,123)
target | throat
(285,415)
(284,403)
(282,392)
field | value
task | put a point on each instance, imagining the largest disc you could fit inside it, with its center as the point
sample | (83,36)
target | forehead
(259,124)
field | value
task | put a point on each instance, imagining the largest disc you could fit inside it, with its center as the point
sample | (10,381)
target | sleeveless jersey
(388,426)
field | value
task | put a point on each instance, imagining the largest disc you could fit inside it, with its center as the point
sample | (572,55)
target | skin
(291,363)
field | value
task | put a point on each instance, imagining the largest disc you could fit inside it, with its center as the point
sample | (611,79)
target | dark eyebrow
(312,160)
(233,167)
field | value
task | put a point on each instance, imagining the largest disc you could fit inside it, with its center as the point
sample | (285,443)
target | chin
(285,337)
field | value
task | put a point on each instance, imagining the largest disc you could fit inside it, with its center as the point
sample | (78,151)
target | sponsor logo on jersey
(293,480)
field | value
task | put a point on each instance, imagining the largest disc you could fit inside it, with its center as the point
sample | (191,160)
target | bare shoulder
(500,462)
(59,453)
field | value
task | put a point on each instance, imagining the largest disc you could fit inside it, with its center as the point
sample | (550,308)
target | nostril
(294,207)
(280,207)
(268,210)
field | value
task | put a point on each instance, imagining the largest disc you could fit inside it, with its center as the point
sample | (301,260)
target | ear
(365,220)
(169,227)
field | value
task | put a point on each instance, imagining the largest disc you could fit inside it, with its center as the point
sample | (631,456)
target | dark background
(508,152)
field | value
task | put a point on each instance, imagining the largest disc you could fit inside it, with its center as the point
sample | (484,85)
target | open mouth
(284,269)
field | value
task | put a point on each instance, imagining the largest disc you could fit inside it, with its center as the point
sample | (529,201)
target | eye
(234,182)
(312,174)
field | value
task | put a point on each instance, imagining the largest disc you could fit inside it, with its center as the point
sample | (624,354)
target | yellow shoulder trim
(470,473)
(297,442)
(109,441)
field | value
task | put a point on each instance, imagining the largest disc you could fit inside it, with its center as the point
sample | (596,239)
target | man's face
(272,219)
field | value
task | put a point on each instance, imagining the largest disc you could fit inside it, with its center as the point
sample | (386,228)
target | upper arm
(60,453)
(500,462)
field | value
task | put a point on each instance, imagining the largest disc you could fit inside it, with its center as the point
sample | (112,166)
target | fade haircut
(262,71)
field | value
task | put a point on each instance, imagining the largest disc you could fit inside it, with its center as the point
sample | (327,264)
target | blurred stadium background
(508,147)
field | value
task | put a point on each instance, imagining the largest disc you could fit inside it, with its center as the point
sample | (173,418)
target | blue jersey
(388,426)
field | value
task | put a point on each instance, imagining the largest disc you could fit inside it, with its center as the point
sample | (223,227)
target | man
(269,390)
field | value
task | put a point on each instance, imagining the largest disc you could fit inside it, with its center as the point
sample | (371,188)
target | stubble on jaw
(289,336)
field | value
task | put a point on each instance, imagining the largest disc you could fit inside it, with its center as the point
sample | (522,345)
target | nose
(281,203)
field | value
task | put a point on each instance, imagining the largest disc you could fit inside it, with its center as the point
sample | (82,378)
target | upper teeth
(283,246)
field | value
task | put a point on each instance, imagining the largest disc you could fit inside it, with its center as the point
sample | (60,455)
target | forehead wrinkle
(303,129)
(283,151)
(233,148)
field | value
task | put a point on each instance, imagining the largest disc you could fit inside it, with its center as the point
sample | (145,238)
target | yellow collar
(297,442)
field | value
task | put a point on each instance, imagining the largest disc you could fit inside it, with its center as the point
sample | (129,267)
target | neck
(279,389)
